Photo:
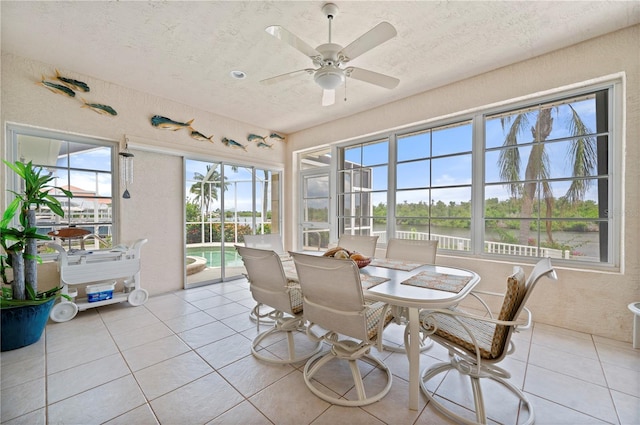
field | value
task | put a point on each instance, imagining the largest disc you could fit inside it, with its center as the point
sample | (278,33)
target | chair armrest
(476,294)
(429,324)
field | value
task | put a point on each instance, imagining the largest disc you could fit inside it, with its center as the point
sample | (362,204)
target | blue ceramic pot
(22,326)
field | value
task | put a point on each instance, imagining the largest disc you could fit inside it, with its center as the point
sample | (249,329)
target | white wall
(588,301)
(155,210)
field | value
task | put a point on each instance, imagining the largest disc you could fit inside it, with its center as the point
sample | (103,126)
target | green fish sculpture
(265,145)
(255,138)
(71,83)
(232,144)
(276,136)
(99,108)
(169,124)
(56,88)
(201,137)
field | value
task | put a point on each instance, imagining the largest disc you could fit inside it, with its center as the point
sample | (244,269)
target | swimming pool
(213,256)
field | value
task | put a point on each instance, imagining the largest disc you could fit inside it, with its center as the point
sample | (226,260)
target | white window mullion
(477,185)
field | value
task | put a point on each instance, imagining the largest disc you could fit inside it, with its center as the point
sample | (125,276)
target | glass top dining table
(414,286)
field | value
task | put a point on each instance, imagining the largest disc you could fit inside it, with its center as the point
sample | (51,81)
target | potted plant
(25,310)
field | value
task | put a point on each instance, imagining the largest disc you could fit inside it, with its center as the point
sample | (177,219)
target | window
(83,166)
(528,181)
(362,188)
(547,180)
(433,186)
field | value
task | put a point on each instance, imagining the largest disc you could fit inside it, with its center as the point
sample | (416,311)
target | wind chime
(126,169)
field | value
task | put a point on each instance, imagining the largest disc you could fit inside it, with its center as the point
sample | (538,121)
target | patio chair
(365,245)
(476,343)
(270,287)
(419,251)
(272,241)
(338,314)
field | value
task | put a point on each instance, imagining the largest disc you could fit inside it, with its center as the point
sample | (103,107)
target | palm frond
(509,160)
(583,156)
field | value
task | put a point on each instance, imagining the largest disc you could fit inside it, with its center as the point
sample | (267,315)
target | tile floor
(184,358)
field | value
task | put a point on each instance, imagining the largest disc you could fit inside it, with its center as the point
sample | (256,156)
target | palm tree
(583,155)
(206,187)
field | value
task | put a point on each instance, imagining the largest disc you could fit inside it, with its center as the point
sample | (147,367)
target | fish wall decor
(276,136)
(56,88)
(255,138)
(169,124)
(99,108)
(67,88)
(265,145)
(232,144)
(201,137)
(71,83)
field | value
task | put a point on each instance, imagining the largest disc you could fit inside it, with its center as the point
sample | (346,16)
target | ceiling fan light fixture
(329,78)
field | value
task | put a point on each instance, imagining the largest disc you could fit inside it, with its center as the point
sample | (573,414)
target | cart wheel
(63,312)
(138,297)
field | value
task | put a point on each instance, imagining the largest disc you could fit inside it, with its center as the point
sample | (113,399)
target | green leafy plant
(20,243)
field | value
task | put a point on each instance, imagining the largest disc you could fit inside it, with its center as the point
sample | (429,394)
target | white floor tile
(171,374)
(197,402)
(171,362)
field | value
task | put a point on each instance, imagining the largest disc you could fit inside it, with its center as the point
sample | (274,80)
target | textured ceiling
(184,51)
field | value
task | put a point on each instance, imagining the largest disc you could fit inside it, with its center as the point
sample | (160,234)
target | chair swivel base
(263,318)
(316,362)
(289,326)
(481,415)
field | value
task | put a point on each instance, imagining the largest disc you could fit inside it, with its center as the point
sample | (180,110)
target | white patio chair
(365,245)
(272,241)
(476,343)
(270,287)
(338,314)
(419,251)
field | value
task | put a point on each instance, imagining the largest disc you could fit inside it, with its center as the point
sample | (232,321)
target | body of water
(213,254)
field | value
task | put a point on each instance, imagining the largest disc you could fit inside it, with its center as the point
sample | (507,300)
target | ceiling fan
(329,57)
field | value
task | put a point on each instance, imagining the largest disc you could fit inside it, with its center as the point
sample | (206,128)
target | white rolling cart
(101,267)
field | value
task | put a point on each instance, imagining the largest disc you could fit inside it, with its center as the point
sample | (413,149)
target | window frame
(614,85)
(13,131)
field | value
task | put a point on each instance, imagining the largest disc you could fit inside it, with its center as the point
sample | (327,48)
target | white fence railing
(464,244)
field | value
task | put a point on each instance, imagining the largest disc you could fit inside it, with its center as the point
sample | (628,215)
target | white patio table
(431,287)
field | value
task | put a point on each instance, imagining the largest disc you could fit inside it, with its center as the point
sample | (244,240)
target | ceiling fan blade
(372,77)
(293,40)
(328,97)
(375,37)
(287,76)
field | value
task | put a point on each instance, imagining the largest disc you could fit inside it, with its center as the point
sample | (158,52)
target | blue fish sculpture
(254,138)
(265,145)
(169,124)
(99,108)
(232,143)
(201,137)
(276,136)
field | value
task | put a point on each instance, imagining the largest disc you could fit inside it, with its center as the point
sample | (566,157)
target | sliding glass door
(223,203)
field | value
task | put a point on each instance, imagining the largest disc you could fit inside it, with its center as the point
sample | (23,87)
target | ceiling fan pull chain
(345,89)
